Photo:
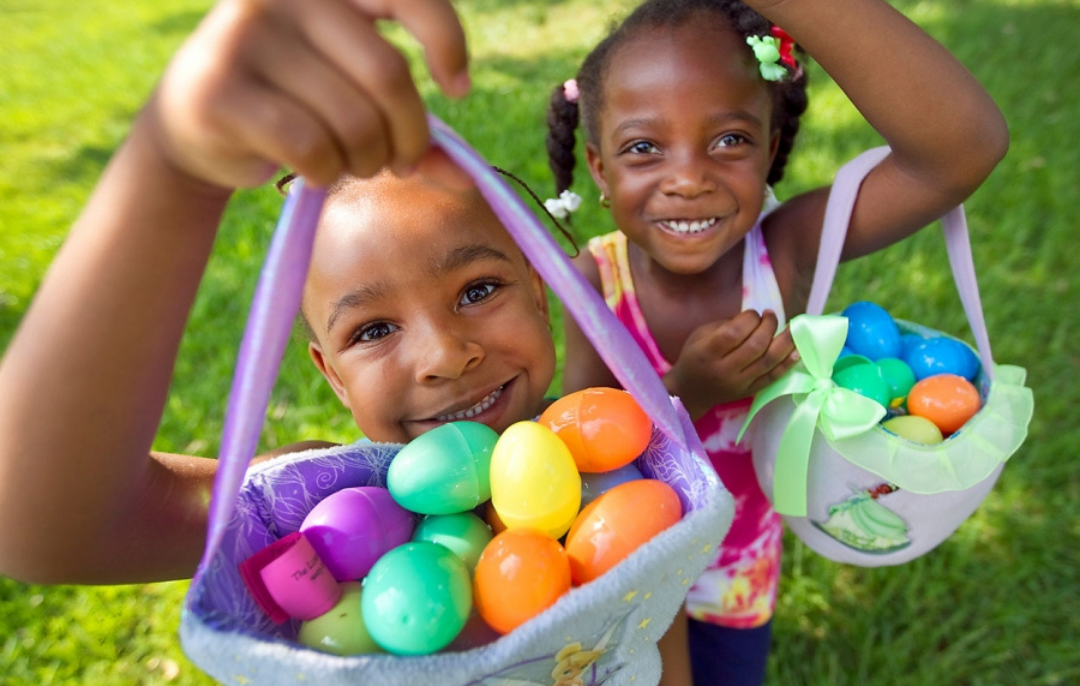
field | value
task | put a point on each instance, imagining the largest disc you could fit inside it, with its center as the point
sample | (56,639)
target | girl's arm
(945,132)
(84,381)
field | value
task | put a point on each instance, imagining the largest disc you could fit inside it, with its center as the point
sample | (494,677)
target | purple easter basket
(603,632)
(848,488)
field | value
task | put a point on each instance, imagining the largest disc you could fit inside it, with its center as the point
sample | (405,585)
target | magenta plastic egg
(354,527)
(445,470)
(942,355)
(534,481)
(416,599)
(593,485)
(871,331)
(864,379)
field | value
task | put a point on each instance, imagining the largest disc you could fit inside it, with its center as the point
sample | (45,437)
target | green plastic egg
(445,470)
(416,599)
(866,380)
(463,533)
(898,377)
(340,631)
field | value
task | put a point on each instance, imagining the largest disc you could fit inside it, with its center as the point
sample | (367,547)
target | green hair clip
(767,51)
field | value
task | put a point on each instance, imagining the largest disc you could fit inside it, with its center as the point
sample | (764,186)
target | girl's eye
(641,148)
(373,332)
(477,292)
(729,140)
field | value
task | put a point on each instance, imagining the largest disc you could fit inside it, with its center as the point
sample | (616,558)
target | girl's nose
(689,176)
(446,351)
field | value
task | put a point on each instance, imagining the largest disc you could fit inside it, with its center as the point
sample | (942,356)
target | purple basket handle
(954,225)
(277,299)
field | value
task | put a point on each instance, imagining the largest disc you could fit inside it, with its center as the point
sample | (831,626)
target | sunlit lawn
(996,604)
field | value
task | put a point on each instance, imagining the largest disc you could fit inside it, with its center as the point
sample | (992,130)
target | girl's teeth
(689,227)
(474,410)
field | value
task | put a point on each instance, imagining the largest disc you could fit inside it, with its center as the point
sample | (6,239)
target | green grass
(995,604)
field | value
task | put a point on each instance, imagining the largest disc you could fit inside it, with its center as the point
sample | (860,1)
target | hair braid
(562,121)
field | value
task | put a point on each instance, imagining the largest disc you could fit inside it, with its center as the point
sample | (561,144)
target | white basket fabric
(869,497)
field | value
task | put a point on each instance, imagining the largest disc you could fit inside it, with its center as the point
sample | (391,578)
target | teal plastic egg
(871,331)
(864,379)
(463,533)
(340,631)
(416,599)
(898,377)
(445,470)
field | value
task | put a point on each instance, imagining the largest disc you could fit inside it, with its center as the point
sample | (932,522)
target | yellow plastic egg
(534,482)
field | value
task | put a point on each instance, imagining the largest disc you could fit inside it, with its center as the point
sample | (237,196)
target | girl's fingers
(350,43)
(436,26)
(358,130)
(279,128)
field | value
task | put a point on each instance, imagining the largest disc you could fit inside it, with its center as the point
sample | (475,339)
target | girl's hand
(309,85)
(726,361)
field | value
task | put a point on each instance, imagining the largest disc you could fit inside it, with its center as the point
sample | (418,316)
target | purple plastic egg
(872,332)
(354,527)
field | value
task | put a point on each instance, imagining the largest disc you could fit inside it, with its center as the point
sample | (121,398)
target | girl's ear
(596,167)
(329,373)
(540,294)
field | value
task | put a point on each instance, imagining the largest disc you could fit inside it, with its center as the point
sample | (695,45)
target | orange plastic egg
(617,523)
(604,428)
(948,400)
(521,573)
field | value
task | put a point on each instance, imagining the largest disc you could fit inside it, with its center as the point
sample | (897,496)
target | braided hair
(789,95)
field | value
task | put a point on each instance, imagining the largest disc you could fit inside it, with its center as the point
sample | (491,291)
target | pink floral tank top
(739,588)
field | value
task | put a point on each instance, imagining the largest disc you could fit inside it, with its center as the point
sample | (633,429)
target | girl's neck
(723,276)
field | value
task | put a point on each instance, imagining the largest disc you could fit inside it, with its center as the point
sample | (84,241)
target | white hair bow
(561,207)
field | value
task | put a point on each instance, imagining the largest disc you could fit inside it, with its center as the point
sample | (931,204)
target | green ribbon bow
(819,404)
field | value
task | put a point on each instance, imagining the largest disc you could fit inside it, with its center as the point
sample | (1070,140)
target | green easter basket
(848,488)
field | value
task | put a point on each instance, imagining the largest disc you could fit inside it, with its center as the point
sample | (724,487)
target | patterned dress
(738,590)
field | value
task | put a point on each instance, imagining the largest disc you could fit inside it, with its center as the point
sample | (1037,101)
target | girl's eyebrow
(719,119)
(465,255)
(455,259)
(353,299)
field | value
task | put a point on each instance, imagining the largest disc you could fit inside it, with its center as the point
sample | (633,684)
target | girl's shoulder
(792,232)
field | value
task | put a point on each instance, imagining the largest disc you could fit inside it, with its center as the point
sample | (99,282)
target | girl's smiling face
(425,311)
(685,143)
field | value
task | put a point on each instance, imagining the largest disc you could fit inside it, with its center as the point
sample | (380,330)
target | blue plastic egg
(416,599)
(594,484)
(872,332)
(942,355)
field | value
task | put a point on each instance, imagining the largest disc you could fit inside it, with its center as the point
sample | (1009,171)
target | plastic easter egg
(416,599)
(340,631)
(534,482)
(592,485)
(844,352)
(871,331)
(444,470)
(618,523)
(942,355)
(491,516)
(864,379)
(463,533)
(354,527)
(604,428)
(947,400)
(914,428)
(898,377)
(909,341)
(521,573)
(850,360)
